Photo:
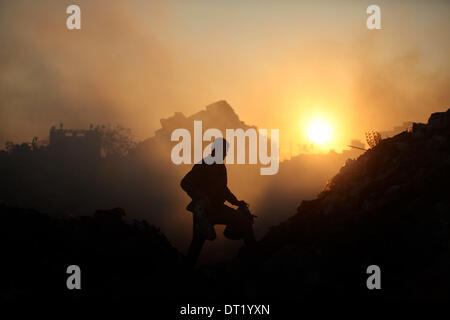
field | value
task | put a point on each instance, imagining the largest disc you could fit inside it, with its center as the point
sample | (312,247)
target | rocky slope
(118,258)
(390,207)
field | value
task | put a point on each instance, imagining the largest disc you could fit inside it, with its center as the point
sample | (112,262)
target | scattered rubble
(117,259)
(390,207)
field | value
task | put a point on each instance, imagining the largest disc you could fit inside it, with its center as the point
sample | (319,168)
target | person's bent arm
(231,198)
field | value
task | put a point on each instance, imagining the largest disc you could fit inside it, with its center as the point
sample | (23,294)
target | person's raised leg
(195,247)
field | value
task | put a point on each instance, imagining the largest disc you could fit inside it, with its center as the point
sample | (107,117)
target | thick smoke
(113,70)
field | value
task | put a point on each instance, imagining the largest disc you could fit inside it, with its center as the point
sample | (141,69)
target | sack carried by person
(233,232)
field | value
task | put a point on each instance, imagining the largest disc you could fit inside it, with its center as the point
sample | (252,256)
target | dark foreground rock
(390,207)
(118,258)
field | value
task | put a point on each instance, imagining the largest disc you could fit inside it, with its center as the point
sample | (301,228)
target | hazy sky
(278,63)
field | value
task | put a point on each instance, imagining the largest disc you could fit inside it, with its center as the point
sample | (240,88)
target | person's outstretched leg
(239,222)
(196,246)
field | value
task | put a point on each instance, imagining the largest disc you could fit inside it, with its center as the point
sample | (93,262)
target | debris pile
(390,207)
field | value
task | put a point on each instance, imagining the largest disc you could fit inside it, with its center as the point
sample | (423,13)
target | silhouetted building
(80,143)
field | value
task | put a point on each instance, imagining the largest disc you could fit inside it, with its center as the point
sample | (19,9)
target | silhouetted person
(206,184)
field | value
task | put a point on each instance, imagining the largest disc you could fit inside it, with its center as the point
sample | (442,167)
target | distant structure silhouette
(80,143)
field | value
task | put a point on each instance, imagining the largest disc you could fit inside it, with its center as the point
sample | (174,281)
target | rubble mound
(218,115)
(390,208)
(118,258)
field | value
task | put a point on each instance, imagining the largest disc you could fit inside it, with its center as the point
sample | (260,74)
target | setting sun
(319,131)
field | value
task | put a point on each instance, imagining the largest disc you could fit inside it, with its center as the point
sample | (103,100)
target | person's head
(220,143)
